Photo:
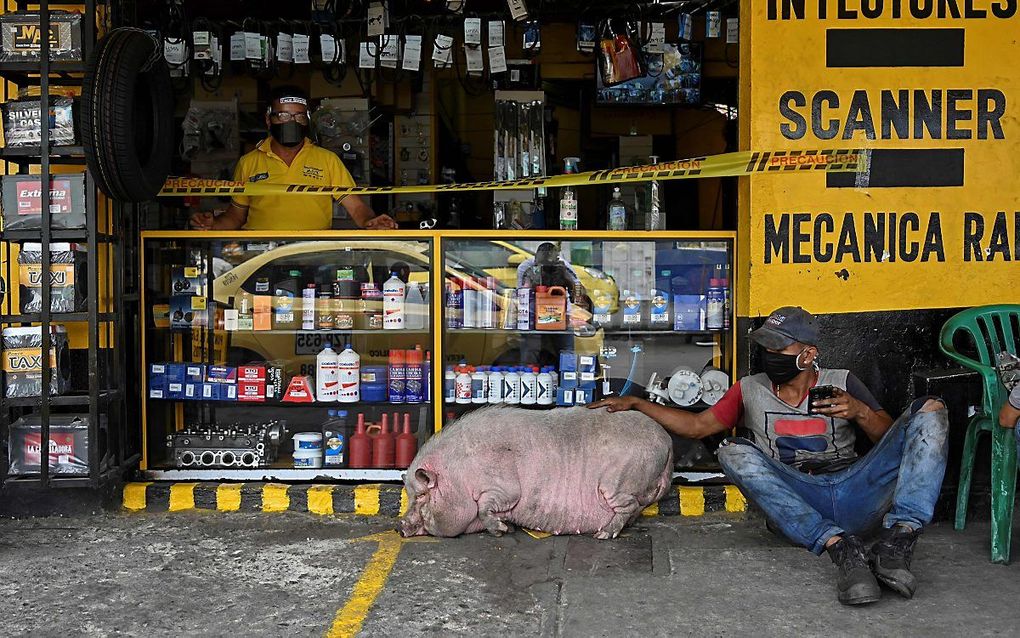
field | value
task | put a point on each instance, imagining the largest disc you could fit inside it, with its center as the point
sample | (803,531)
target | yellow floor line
(351,617)
(134,496)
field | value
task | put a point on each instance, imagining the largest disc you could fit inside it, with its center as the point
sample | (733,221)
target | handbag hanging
(618,57)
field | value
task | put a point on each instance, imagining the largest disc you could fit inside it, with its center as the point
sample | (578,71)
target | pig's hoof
(500,528)
(603,535)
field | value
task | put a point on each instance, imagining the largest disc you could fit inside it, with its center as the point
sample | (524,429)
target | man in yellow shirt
(287,156)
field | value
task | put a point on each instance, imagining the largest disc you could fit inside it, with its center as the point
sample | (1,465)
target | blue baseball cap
(787,325)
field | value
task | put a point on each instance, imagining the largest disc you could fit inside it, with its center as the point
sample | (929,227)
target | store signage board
(932,89)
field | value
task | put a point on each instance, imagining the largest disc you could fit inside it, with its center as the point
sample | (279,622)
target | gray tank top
(808,442)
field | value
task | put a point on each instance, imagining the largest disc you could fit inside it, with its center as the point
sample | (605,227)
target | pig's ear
(425,478)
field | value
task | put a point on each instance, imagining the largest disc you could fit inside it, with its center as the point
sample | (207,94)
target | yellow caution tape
(725,165)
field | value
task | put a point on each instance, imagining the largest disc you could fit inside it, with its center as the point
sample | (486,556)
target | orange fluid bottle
(407,445)
(383,447)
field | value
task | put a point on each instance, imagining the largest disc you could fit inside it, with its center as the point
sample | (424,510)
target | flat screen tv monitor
(674,77)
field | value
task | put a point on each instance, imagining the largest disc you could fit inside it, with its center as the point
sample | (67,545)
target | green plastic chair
(993,329)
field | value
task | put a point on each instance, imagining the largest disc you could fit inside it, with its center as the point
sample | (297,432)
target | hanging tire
(128,116)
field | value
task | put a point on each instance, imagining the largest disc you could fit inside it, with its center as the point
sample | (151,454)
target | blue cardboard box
(565,396)
(221,374)
(194,372)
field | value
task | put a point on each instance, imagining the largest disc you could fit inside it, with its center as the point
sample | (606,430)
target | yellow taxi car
(372,261)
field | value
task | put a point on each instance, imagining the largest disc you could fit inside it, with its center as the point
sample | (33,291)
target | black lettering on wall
(933,240)
(891,243)
(832,129)
(798,126)
(823,251)
(998,243)
(921,8)
(863,48)
(909,250)
(954,115)
(848,240)
(843,13)
(990,116)
(800,238)
(896,115)
(972,13)
(859,118)
(973,231)
(796,7)
(948,8)
(1004,9)
(871,8)
(927,115)
(777,241)
(874,236)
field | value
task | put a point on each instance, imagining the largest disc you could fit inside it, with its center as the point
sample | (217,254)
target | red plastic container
(383,447)
(407,445)
(359,448)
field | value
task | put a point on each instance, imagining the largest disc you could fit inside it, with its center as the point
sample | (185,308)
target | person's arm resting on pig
(680,422)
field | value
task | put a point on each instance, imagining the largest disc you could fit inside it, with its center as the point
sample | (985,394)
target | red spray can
(360,447)
(407,445)
(382,447)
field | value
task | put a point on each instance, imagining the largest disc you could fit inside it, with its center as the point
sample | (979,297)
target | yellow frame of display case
(436,280)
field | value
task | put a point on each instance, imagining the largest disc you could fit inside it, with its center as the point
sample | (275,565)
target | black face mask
(781,368)
(288,133)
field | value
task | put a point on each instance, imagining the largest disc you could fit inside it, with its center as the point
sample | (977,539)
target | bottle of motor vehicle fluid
(463,384)
(414,308)
(715,305)
(349,369)
(450,385)
(308,306)
(397,376)
(529,386)
(393,303)
(334,437)
(524,306)
(544,388)
(495,389)
(568,197)
(555,380)
(617,213)
(486,317)
(415,373)
(245,311)
(327,375)
(454,304)
(512,386)
(479,385)
(471,296)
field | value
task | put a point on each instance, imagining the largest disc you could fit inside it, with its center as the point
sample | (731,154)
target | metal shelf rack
(110,451)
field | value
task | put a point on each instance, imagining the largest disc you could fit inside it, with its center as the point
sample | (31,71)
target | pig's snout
(409,527)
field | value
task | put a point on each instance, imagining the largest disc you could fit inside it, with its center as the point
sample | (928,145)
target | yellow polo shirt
(313,165)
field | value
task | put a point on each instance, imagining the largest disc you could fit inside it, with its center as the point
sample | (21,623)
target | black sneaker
(855,582)
(890,559)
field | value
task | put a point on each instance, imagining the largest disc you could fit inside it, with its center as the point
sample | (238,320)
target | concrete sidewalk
(199,573)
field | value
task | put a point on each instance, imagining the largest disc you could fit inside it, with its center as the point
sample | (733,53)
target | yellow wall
(790,55)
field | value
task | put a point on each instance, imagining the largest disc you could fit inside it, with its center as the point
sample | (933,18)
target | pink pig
(565,471)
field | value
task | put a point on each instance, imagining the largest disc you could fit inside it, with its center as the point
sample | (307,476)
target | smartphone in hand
(819,393)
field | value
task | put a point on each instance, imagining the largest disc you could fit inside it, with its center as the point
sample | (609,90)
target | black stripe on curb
(343,500)
(389,501)
(298,496)
(251,497)
(205,496)
(715,498)
(157,497)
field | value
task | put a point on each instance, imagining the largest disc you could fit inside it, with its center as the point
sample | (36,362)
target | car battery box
(22,201)
(21,37)
(68,446)
(68,291)
(23,362)
(23,122)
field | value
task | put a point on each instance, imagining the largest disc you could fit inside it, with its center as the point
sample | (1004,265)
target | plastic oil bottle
(544,388)
(349,375)
(479,385)
(463,384)
(414,308)
(495,389)
(568,197)
(450,385)
(512,386)
(327,375)
(529,386)
(393,303)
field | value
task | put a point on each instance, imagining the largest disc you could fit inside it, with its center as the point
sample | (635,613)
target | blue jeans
(899,478)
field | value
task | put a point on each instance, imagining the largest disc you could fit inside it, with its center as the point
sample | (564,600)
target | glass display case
(565,319)
(310,355)
(276,356)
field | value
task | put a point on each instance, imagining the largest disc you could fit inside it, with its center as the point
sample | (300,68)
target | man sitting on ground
(802,469)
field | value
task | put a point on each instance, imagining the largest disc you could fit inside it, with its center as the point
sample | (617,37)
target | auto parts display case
(546,319)
(230,352)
